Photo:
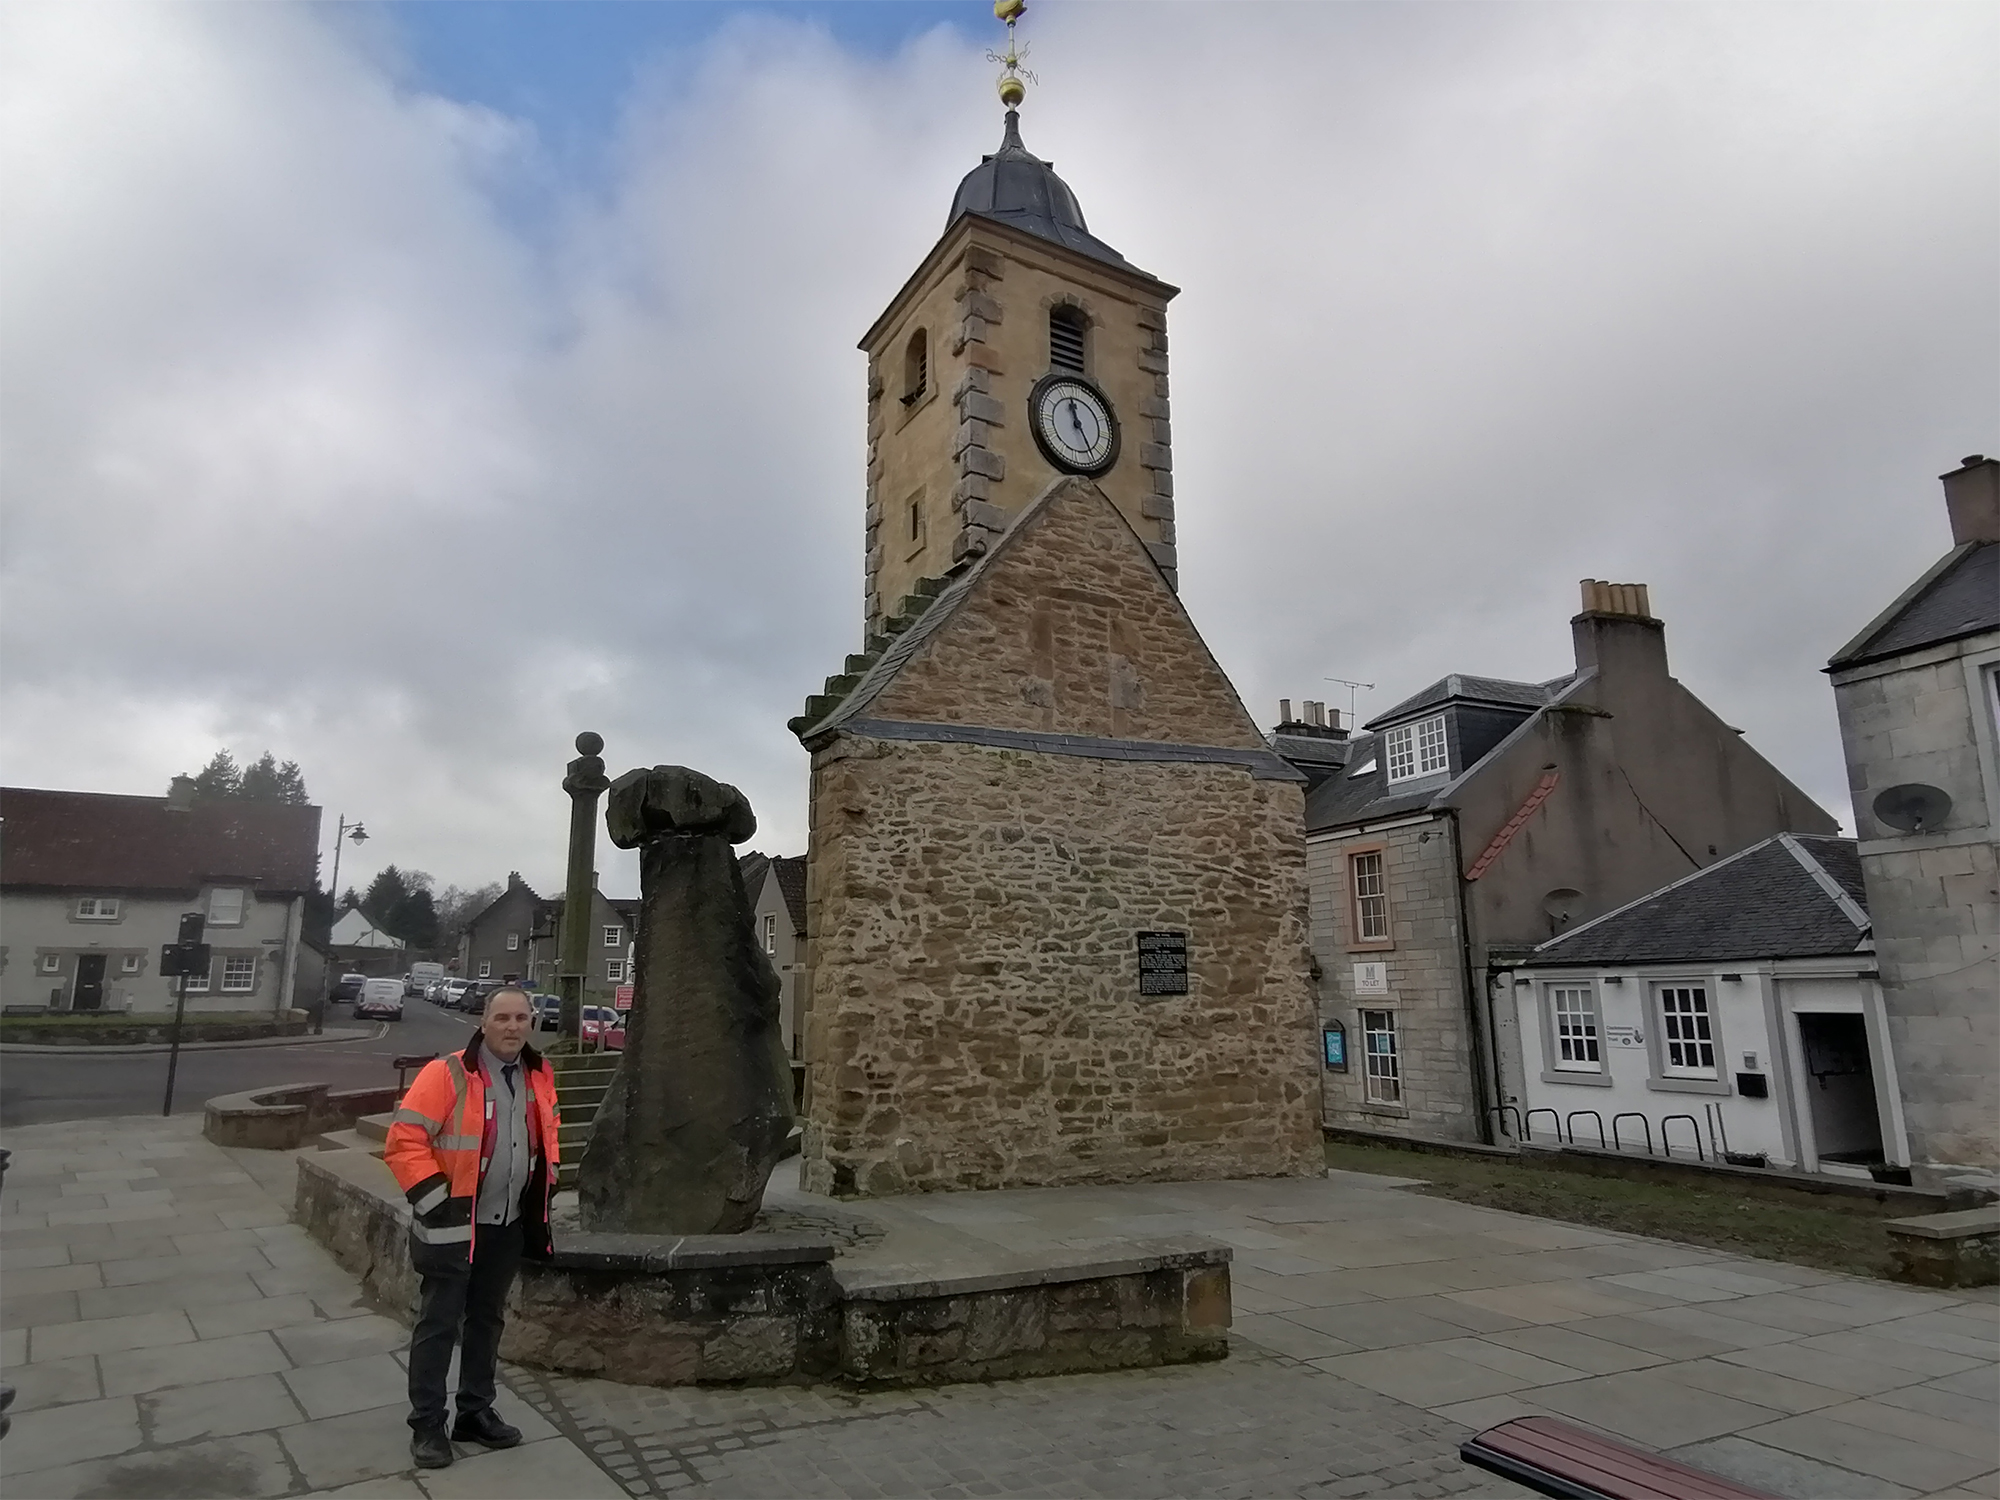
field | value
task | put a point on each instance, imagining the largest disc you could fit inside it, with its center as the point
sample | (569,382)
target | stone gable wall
(1073,630)
(975,1018)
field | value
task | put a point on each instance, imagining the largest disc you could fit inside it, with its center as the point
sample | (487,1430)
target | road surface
(41,1087)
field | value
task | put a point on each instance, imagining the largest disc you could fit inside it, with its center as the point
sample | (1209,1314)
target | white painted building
(93,886)
(1737,1009)
(354,930)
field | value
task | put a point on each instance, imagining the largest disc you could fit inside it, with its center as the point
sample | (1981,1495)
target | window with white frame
(485,968)
(1416,749)
(1371,897)
(614,970)
(197,984)
(97,909)
(225,907)
(513,941)
(1573,1009)
(770,934)
(129,964)
(614,937)
(52,963)
(1384,1061)
(239,974)
(1687,1037)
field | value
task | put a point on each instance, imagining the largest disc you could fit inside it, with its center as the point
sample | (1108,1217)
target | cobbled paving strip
(1256,1424)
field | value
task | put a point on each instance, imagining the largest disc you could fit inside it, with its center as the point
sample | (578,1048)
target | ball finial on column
(588,743)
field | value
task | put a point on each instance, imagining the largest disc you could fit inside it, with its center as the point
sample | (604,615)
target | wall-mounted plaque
(1371,978)
(1163,963)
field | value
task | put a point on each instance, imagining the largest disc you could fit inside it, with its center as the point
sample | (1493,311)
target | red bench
(1554,1458)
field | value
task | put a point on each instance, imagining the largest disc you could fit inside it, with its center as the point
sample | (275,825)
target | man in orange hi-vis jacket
(474,1146)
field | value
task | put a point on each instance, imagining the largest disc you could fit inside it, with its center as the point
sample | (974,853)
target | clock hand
(1076,423)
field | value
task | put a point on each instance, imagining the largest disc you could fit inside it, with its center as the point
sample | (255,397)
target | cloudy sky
(405,388)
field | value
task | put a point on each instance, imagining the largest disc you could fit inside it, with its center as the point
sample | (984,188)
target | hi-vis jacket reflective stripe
(440,1142)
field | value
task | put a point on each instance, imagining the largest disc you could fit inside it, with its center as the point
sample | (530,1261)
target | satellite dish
(1561,906)
(1913,807)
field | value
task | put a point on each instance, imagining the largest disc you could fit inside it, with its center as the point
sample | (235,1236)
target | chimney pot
(180,794)
(1284,710)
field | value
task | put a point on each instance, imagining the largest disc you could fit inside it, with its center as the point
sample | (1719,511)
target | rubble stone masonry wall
(976,1020)
(1426,985)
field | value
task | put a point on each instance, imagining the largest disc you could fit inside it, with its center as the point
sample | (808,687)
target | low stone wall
(1948,1250)
(143,1031)
(775,1308)
(1168,1304)
(286,1117)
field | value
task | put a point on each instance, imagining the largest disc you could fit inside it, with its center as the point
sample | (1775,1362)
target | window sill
(1373,945)
(1398,1111)
(1688,1086)
(1588,1080)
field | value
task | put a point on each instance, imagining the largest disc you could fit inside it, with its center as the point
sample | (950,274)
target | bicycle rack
(1693,1124)
(1504,1110)
(1575,1115)
(1617,1143)
(1528,1131)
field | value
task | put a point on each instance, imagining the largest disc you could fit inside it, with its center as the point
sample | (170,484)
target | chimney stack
(1617,632)
(1972,498)
(180,794)
(1284,710)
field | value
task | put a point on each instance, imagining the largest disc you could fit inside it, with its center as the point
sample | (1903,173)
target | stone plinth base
(776,1308)
(1947,1250)
(285,1118)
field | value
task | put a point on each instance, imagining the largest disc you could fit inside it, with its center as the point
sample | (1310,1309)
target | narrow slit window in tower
(916,367)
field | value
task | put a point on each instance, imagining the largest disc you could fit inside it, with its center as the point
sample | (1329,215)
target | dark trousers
(472,1300)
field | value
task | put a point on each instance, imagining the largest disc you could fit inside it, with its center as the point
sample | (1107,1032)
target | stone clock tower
(1055,877)
(1023,348)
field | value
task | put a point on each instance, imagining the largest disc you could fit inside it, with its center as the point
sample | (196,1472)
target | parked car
(380,997)
(420,976)
(434,991)
(548,1011)
(452,997)
(603,1027)
(349,987)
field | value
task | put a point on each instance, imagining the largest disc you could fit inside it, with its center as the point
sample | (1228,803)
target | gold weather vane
(1012,89)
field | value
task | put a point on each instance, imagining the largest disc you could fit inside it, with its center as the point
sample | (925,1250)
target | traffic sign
(622,997)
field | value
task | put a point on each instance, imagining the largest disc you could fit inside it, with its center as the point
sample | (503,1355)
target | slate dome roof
(1014,186)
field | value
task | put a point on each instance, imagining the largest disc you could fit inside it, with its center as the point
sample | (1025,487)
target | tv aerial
(1913,807)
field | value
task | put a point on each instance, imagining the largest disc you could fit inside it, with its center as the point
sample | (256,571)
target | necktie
(507,1073)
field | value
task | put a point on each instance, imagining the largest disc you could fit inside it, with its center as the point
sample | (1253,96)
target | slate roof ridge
(1849,907)
(790,873)
(1654,895)
(1857,651)
(1468,687)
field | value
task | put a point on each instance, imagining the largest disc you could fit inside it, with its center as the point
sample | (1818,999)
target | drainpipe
(1478,1012)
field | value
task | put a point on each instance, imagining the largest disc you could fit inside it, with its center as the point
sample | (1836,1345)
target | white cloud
(332,422)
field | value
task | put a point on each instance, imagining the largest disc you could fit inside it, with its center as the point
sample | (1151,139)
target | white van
(421,977)
(380,997)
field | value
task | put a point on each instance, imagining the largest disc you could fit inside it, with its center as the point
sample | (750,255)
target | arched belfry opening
(1069,335)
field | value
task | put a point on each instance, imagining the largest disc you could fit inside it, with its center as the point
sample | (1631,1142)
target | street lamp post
(343,832)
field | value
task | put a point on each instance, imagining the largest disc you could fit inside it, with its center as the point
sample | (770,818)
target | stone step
(374,1127)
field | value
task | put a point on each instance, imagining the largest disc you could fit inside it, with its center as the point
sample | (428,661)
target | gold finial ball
(1012,91)
(1009,10)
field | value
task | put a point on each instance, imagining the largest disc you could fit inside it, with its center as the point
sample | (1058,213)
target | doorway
(89,993)
(1840,1088)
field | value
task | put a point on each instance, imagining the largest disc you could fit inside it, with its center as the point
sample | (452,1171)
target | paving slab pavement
(195,1343)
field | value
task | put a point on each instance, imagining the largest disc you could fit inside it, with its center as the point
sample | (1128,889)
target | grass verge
(1832,1238)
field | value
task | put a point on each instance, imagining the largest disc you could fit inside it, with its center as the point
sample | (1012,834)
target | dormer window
(1066,339)
(916,367)
(97,909)
(1416,749)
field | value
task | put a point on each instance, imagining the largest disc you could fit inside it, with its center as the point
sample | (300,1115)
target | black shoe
(429,1448)
(485,1428)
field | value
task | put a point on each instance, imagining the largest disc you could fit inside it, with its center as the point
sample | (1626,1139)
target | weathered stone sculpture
(700,1107)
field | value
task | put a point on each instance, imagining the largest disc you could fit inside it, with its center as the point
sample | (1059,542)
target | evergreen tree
(267,781)
(384,892)
(414,920)
(219,778)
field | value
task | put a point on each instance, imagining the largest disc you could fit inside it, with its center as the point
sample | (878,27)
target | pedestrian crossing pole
(183,957)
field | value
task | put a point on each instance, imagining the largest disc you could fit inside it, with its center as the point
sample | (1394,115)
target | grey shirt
(506,1175)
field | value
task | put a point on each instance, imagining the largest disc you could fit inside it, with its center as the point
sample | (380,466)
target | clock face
(1073,424)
